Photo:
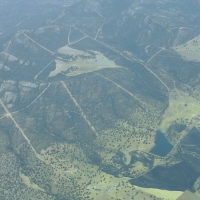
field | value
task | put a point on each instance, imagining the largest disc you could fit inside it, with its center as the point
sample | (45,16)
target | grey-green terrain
(99,99)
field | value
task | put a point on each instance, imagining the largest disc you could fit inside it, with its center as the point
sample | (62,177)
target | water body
(162,146)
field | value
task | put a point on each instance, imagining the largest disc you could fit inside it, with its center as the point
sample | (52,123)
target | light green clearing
(190,50)
(82,62)
(27,182)
(164,194)
(181,106)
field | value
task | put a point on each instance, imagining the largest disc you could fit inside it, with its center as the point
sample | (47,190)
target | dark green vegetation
(82,136)
(182,176)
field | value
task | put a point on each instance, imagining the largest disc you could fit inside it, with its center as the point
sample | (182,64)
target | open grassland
(183,108)
(171,195)
(27,182)
(81,62)
(73,172)
(190,50)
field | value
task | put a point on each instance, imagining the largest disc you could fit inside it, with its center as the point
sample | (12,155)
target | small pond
(162,146)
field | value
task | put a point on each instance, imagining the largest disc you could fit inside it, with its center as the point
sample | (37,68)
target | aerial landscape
(100,100)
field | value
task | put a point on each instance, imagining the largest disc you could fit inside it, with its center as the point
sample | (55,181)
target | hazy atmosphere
(99,100)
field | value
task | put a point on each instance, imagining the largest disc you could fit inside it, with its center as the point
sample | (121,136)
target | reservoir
(162,146)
